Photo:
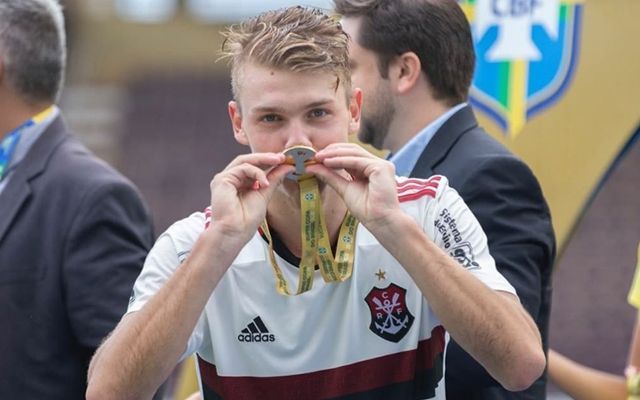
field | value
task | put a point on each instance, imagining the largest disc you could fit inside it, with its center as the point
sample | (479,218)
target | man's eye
(270,118)
(318,113)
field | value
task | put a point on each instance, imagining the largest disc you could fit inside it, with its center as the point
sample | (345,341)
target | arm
(507,343)
(147,344)
(584,383)
(634,351)
(104,251)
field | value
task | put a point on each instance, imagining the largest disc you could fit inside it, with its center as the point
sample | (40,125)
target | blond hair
(296,39)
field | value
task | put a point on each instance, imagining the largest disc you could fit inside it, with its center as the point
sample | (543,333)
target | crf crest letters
(390,317)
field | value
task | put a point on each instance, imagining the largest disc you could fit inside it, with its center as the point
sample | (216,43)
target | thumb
(275,177)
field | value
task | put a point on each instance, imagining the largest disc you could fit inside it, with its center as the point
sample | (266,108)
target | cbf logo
(390,318)
(526,55)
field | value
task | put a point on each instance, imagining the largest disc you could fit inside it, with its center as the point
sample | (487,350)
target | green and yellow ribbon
(316,247)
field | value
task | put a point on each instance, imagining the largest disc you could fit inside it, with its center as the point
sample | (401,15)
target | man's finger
(261,160)
(330,177)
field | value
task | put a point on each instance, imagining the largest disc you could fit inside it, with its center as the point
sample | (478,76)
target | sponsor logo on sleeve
(447,228)
(463,253)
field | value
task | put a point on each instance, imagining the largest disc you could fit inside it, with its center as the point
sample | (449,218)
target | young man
(74,233)
(414,61)
(218,289)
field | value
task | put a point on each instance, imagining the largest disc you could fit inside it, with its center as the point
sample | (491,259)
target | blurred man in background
(73,232)
(414,60)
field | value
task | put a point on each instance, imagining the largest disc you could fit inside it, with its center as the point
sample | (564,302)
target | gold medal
(316,248)
(300,157)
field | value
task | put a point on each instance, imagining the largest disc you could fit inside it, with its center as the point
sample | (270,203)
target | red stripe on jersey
(419,181)
(422,185)
(349,379)
(412,189)
(413,182)
(207,217)
(417,195)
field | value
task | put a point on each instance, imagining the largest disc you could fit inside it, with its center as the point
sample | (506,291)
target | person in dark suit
(414,60)
(73,232)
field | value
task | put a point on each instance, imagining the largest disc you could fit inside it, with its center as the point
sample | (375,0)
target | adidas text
(257,337)
(256,331)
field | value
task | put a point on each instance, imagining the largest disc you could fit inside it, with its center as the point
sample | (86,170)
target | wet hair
(296,39)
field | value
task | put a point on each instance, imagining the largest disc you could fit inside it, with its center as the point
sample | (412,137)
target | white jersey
(372,336)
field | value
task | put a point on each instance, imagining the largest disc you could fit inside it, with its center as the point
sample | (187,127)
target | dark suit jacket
(73,237)
(506,198)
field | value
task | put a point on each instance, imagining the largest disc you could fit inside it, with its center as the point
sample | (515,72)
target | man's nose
(297,135)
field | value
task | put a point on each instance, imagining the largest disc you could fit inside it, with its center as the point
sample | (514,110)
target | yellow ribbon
(316,248)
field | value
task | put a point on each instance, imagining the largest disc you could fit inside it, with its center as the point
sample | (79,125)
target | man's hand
(241,192)
(369,189)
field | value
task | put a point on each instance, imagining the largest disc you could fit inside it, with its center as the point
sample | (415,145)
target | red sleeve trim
(412,189)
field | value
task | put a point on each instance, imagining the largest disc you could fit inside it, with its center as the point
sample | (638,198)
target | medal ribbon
(316,248)
(9,143)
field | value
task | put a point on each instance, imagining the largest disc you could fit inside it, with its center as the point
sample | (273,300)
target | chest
(256,331)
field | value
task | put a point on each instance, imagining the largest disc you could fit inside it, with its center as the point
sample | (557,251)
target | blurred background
(145,92)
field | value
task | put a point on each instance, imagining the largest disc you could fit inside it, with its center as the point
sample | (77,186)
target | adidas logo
(256,331)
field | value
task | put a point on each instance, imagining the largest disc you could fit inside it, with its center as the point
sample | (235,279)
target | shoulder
(479,161)
(82,192)
(184,233)
(192,225)
(481,151)
(80,177)
(72,161)
(477,143)
(423,198)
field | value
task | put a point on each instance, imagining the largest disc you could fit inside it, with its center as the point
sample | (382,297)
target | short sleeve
(166,256)
(458,232)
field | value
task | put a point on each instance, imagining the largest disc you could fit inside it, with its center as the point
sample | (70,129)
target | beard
(371,134)
(377,115)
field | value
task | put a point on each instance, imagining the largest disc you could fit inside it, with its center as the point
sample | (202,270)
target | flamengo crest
(390,318)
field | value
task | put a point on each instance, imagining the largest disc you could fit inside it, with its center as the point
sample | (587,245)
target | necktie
(7,148)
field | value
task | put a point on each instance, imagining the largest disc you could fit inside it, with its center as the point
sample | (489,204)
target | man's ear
(355,108)
(236,122)
(405,70)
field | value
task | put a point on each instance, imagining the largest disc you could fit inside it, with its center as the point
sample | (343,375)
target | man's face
(278,109)
(378,109)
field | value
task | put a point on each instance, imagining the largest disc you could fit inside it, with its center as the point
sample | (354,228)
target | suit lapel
(448,134)
(18,190)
